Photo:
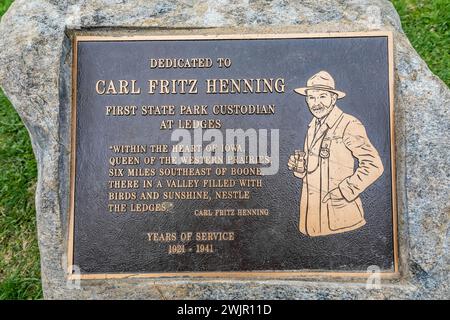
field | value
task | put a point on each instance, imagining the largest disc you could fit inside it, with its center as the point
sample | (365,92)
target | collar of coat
(331,118)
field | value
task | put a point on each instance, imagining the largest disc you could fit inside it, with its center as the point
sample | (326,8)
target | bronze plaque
(233,156)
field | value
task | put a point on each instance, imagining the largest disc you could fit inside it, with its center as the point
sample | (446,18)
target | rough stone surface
(35,74)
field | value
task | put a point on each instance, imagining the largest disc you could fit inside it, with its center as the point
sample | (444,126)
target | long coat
(330,163)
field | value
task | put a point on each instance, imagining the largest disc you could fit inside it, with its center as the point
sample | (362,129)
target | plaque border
(217,275)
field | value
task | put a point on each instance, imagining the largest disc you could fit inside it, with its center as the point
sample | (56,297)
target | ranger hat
(320,81)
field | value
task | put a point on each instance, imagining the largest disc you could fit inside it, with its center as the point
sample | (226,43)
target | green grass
(425,22)
(4,5)
(19,254)
(427,25)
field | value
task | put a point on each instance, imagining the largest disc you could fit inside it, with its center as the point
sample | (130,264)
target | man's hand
(298,171)
(300,175)
(291,162)
(294,165)
(334,194)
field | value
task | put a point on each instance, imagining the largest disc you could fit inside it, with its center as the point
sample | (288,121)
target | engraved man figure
(332,184)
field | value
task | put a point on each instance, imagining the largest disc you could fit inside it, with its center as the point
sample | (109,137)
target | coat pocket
(343,214)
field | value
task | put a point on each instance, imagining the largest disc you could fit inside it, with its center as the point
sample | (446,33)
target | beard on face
(319,110)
